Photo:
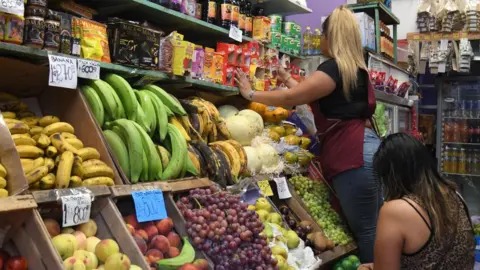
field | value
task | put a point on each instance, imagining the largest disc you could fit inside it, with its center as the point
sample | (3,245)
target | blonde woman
(342,99)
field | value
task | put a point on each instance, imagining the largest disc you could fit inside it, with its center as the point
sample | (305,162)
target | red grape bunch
(222,226)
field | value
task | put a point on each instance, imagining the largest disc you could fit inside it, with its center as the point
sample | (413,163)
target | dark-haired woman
(425,223)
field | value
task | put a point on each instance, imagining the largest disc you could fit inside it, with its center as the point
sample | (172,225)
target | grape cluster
(220,225)
(316,197)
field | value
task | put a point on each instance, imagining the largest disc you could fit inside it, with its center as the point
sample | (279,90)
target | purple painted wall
(320,8)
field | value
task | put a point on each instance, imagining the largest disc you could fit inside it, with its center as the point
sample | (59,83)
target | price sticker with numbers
(16,7)
(235,33)
(88,69)
(282,188)
(149,205)
(76,209)
(62,71)
(265,187)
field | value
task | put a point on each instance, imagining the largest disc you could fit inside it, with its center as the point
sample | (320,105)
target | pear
(263,204)
(292,239)
(278,250)
(65,244)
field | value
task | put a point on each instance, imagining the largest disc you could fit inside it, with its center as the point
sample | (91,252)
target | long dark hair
(405,167)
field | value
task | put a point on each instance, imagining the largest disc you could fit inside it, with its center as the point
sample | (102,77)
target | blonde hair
(345,46)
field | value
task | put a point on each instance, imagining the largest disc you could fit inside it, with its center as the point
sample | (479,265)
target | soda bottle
(471,132)
(475,162)
(464,129)
(462,161)
(454,161)
(307,41)
(477,131)
(243,16)
(455,131)
(316,41)
(209,11)
(249,19)
(235,12)
(469,166)
(447,160)
(447,131)
(225,13)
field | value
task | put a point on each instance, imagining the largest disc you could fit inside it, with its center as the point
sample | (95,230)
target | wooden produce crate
(122,196)
(16,180)
(30,83)
(109,222)
(21,235)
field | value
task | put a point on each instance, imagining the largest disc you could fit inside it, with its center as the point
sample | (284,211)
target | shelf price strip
(149,205)
(76,209)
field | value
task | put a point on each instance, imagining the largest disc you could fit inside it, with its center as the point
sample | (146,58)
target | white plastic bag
(307,118)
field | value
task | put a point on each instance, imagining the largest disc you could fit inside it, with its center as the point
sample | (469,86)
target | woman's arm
(316,86)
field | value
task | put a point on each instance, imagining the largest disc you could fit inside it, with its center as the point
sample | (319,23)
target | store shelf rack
(379,12)
(285,7)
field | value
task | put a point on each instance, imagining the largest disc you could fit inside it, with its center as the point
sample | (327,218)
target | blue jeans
(361,197)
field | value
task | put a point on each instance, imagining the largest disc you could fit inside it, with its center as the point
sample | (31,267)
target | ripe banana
(88,153)
(124,91)
(179,150)
(29,151)
(154,162)
(9,115)
(75,142)
(223,175)
(222,129)
(57,128)
(47,182)
(77,168)
(43,141)
(187,255)
(27,164)
(3,171)
(36,130)
(98,181)
(203,163)
(147,106)
(167,99)
(174,121)
(97,171)
(66,135)
(36,174)
(213,136)
(164,155)
(119,149)
(3,193)
(95,103)
(193,164)
(48,120)
(212,162)
(30,120)
(51,151)
(50,163)
(23,139)
(62,145)
(133,141)
(93,162)
(18,128)
(3,182)
(24,113)
(75,181)
(233,156)
(64,170)
(241,154)
(162,116)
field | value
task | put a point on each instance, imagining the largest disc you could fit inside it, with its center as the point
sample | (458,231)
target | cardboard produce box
(104,213)
(30,83)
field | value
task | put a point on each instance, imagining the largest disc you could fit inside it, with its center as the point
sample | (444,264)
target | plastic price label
(88,69)
(16,7)
(76,209)
(149,205)
(282,188)
(235,33)
(63,71)
(265,187)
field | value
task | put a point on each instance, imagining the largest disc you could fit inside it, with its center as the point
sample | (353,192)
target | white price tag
(16,7)
(235,33)
(76,209)
(282,188)
(443,44)
(63,71)
(88,69)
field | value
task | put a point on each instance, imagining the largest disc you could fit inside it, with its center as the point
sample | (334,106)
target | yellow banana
(98,181)
(48,181)
(24,113)
(74,142)
(178,125)
(3,193)
(35,130)
(57,160)
(222,129)
(232,155)
(9,115)
(37,174)
(62,145)
(29,151)
(3,182)
(22,139)
(66,135)
(50,163)
(30,121)
(195,161)
(3,171)
(13,121)
(64,171)
(35,186)
(43,141)
(77,169)
(241,154)
(58,127)
(88,153)
(18,128)
(48,120)
(51,151)
(27,164)
(201,123)
(97,171)
(75,181)
(93,162)
(213,136)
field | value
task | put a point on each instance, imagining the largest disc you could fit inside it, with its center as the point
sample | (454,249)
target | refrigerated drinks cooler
(397,112)
(458,147)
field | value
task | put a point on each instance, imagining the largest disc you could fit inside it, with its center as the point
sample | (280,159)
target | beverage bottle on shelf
(454,161)
(463,108)
(477,131)
(476,109)
(475,162)
(209,11)
(469,108)
(225,10)
(307,41)
(471,132)
(235,12)
(248,19)
(469,166)
(462,161)
(242,18)
(316,42)
(259,10)
(464,130)
(447,164)
(455,131)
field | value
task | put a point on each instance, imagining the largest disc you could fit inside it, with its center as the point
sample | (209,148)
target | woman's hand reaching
(243,84)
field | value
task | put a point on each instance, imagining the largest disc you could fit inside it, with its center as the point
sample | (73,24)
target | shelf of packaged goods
(462,174)
(386,14)
(392,99)
(285,7)
(27,53)
(439,36)
(462,143)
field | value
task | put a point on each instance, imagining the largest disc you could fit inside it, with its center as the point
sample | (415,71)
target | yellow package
(261,28)
(14,28)
(182,57)
(218,59)
(208,70)
(94,39)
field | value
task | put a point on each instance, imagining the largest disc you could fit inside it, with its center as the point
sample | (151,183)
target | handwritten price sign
(63,71)
(76,209)
(149,205)
(282,188)
(16,7)
(235,33)
(88,69)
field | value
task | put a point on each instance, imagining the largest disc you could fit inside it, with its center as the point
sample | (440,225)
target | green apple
(263,203)
(268,231)
(263,214)
(278,250)
(292,239)
(281,262)
(275,218)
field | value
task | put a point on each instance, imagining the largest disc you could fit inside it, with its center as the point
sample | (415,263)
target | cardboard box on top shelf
(104,213)
(30,83)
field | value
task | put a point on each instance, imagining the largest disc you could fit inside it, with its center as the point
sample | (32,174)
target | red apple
(16,263)
(189,266)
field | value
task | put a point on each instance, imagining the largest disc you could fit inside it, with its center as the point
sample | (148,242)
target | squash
(242,129)
(268,155)
(227,111)
(275,114)
(257,107)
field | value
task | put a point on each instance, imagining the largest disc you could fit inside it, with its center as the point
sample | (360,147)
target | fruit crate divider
(105,214)
(24,237)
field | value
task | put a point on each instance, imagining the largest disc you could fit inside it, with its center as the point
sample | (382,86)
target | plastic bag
(307,117)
